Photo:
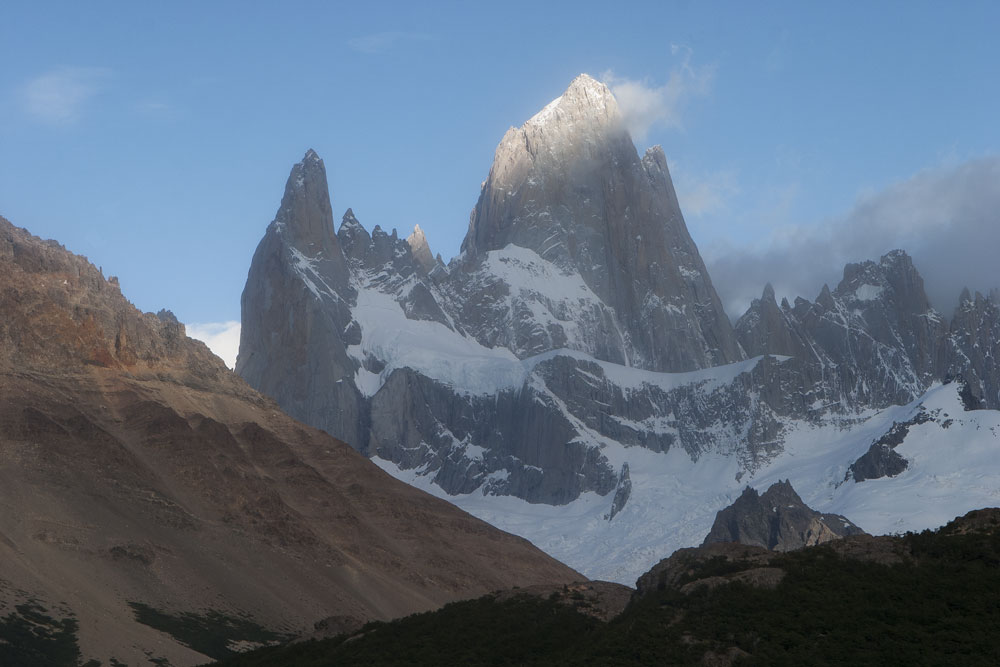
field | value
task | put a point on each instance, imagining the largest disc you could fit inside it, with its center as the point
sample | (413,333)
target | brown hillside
(135,467)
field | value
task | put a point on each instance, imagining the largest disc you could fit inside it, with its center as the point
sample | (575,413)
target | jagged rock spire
(354,238)
(570,186)
(420,249)
(295,308)
(305,217)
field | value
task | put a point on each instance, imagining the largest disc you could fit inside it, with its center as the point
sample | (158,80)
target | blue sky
(155,138)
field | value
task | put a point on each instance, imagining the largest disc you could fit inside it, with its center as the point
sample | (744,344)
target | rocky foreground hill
(576,353)
(918,599)
(156,509)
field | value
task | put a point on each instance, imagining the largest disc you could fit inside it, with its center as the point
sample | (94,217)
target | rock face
(578,332)
(570,187)
(973,347)
(882,459)
(136,469)
(873,341)
(777,520)
(421,250)
(299,277)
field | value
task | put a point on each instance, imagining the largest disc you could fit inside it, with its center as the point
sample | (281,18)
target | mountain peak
(417,238)
(420,248)
(570,186)
(585,101)
(586,88)
(304,220)
(896,256)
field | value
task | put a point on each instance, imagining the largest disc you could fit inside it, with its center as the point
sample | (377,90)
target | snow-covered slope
(952,468)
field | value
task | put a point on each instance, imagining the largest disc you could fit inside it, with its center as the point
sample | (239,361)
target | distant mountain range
(571,376)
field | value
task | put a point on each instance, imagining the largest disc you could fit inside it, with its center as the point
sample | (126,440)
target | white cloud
(380,42)
(947,219)
(222,338)
(59,96)
(644,104)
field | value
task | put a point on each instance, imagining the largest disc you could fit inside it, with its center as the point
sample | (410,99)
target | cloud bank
(222,338)
(947,219)
(60,95)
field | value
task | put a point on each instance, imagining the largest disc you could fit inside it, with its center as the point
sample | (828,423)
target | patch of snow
(525,271)
(308,270)
(368,383)
(635,378)
(474,452)
(690,274)
(868,292)
(431,348)
(547,112)
(672,505)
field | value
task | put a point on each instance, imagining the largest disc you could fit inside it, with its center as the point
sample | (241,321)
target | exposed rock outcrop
(881,459)
(622,492)
(973,348)
(421,250)
(777,520)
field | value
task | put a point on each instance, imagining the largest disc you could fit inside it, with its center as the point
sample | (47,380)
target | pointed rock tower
(570,186)
(421,250)
(296,308)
